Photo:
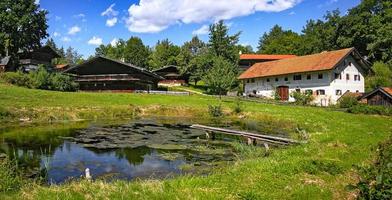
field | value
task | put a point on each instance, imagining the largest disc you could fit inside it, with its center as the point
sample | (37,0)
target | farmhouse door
(283,92)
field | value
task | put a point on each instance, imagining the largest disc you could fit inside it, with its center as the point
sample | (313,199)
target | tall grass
(10,177)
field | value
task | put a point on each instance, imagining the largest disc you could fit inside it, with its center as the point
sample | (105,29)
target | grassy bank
(321,169)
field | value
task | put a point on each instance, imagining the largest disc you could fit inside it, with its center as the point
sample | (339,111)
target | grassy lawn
(321,169)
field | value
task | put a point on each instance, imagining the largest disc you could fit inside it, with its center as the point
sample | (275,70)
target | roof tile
(264,57)
(315,62)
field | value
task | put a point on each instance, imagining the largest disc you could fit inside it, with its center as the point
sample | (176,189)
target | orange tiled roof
(388,90)
(61,66)
(315,62)
(264,57)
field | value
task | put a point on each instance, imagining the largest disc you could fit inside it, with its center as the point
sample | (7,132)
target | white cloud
(292,13)
(73,30)
(66,39)
(81,15)
(110,11)
(36,2)
(201,31)
(57,18)
(156,15)
(56,34)
(95,41)
(114,42)
(111,22)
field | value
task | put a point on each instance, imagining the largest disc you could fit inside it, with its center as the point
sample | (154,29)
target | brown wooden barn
(172,75)
(381,96)
(30,60)
(101,73)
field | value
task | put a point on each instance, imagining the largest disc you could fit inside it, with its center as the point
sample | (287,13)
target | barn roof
(4,61)
(265,56)
(128,67)
(385,90)
(316,62)
(165,67)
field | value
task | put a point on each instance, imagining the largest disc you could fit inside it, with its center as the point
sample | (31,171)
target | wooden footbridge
(252,138)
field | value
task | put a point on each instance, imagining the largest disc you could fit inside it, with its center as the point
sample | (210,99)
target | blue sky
(84,24)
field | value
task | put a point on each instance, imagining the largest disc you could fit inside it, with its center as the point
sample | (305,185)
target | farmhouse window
(276,79)
(320,76)
(297,77)
(252,80)
(268,80)
(308,76)
(309,92)
(347,76)
(320,92)
(338,92)
(338,76)
(357,78)
(286,78)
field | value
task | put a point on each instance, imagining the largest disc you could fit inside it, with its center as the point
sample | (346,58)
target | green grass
(321,169)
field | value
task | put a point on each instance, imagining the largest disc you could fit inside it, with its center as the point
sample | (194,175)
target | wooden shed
(103,74)
(30,60)
(381,96)
(172,76)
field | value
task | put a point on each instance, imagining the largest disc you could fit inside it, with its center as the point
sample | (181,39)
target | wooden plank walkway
(252,137)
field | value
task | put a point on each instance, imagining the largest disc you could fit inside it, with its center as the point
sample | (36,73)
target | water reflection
(138,149)
(70,160)
(61,157)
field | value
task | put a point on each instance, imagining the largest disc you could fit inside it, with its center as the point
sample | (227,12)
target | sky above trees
(85,24)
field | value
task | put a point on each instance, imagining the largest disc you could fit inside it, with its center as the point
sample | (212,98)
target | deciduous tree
(22,26)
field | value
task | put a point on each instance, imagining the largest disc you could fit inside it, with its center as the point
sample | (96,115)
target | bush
(238,107)
(17,78)
(348,102)
(41,79)
(215,111)
(302,98)
(63,83)
(376,180)
(372,110)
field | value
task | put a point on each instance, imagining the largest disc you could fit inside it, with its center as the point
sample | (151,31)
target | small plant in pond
(215,110)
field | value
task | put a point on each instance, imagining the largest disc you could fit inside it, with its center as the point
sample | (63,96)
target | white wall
(327,83)
(351,85)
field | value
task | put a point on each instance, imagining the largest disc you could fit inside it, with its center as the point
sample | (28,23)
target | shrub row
(372,110)
(41,79)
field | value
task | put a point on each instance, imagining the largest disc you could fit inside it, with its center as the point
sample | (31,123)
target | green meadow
(323,168)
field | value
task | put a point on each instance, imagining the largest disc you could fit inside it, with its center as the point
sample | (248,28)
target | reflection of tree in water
(29,146)
(134,156)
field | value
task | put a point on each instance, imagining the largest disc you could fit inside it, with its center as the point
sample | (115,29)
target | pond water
(136,149)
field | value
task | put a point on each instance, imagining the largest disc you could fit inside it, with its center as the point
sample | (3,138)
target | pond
(147,148)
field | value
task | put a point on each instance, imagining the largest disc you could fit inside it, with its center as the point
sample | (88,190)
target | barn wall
(379,99)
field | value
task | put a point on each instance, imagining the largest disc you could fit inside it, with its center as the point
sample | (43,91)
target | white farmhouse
(326,75)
